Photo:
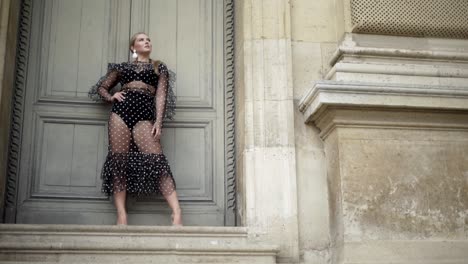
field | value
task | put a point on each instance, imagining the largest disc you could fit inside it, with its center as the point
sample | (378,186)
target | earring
(134,55)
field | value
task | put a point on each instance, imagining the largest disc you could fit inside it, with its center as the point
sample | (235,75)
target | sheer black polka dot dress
(135,162)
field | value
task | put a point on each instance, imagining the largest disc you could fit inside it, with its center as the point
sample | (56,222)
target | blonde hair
(156,63)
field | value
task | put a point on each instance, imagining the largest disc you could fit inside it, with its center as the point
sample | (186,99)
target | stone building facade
(351,124)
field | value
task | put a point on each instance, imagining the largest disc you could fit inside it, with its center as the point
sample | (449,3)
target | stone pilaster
(266,150)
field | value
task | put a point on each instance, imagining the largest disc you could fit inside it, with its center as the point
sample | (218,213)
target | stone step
(130,244)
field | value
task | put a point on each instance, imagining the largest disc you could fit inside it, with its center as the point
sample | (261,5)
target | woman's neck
(143,59)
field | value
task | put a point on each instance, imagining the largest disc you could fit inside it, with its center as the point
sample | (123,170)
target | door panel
(184,36)
(65,134)
(70,155)
(75,37)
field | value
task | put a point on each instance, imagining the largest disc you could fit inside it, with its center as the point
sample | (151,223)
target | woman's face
(142,44)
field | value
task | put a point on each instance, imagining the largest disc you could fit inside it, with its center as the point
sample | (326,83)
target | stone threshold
(143,244)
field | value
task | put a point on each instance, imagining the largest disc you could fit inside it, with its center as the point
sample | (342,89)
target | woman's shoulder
(116,66)
(161,67)
(121,66)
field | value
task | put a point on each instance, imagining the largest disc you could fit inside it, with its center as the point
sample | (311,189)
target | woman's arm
(161,94)
(109,82)
(100,91)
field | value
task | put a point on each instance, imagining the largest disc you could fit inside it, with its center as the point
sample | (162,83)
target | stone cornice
(422,71)
(410,47)
(392,73)
(331,93)
(402,53)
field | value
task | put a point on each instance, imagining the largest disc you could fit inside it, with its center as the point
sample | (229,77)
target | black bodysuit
(141,99)
(135,162)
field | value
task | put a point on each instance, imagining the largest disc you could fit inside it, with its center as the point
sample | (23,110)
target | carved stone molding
(18,110)
(230,147)
(389,72)
(327,95)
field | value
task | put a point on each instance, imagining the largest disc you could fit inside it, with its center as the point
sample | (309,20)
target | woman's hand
(156,132)
(119,96)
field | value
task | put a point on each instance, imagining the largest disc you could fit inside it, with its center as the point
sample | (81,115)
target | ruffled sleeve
(101,90)
(165,96)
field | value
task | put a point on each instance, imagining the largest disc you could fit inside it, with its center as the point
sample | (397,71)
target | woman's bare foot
(121,218)
(177,217)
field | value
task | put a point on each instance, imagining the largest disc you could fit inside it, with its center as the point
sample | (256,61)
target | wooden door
(64,139)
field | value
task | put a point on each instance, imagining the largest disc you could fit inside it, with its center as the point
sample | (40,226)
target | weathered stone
(397,154)
(130,244)
(267,114)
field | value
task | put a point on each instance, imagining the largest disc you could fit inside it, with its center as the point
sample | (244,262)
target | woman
(135,163)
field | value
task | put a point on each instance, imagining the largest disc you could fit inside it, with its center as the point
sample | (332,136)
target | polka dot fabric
(135,162)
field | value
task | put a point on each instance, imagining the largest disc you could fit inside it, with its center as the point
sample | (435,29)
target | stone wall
(385,171)
(314,36)
(393,117)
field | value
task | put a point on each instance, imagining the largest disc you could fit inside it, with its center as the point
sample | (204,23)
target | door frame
(18,104)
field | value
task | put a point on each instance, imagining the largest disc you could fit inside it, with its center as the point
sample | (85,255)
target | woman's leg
(173,202)
(147,144)
(119,201)
(119,141)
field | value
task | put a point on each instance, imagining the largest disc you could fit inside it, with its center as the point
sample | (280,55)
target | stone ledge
(144,244)
(401,47)
(120,230)
(331,93)
(400,60)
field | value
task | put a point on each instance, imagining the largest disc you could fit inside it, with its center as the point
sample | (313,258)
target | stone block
(307,65)
(272,189)
(403,183)
(268,73)
(313,21)
(312,194)
(397,184)
(268,19)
